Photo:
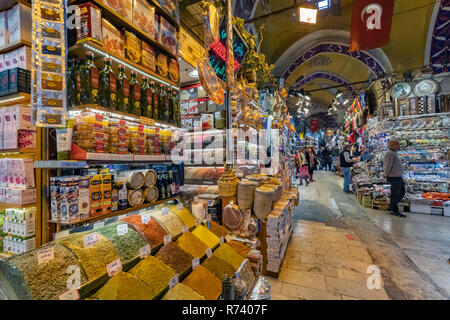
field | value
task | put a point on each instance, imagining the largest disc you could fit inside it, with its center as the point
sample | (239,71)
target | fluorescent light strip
(12,99)
(129,66)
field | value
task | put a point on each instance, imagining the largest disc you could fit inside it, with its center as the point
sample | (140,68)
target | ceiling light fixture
(307,15)
(307,96)
(339,94)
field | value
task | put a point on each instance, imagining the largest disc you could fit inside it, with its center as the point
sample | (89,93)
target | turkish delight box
(112,39)
(19,23)
(24,58)
(83,196)
(2,62)
(3,34)
(11,59)
(95,190)
(106,192)
(144,17)
(123,7)
(18,117)
(132,47)
(90,18)
(148,57)
(68,199)
(167,35)
(54,198)
(19,196)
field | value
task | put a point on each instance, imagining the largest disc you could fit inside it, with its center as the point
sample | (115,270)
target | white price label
(99,225)
(114,267)
(180,206)
(122,216)
(90,239)
(165,210)
(167,239)
(221,240)
(195,263)
(122,229)
(46,255)
(145,251)
(71,294)
(173,282)
(146,218)
(185,229)
(208,252)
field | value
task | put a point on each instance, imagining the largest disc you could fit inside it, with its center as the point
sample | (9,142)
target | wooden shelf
(80,49)
(4,205)
(14,45)
(114,214)
(21,150)
(7,4)
(15,98)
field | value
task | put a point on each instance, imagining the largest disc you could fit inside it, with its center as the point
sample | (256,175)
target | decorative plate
(401,90)
(426,87)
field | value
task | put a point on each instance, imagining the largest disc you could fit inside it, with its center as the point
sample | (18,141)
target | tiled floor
(336,244)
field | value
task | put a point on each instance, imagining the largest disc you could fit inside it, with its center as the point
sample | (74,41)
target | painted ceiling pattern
(300,82)
(440,43)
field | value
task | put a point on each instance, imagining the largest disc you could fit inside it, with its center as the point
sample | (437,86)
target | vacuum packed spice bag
(182,292)
(205,283)
(124,286)
(154,273)
(206,236)
(26,276)
(226,253)
(94,257)
(151,231)
(219,267)
(191,244)
(175,257)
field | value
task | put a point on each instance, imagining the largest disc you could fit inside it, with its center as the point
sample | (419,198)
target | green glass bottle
(155,101)
(108,86)
(146,99)
(175,109)
(89,81)
(123,90)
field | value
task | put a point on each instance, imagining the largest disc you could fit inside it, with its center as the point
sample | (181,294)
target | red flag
(371,24)
(313,125)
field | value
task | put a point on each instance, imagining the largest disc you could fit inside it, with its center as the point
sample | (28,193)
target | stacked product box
(16,128)
(17,183)
(19,230)
(15,71)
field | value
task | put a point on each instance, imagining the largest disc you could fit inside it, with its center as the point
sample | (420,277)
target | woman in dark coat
(312,162)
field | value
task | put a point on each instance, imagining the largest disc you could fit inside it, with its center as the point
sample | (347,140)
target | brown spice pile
(152,231)
(192,245)
(239,247)
(177,258)
(205,283)
(219,267)
(217,229)
(182,292)
(124,286)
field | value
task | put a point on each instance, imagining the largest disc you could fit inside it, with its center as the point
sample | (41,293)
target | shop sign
(313,125)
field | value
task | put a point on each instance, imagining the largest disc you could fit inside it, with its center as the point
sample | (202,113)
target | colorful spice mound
(217,229)
(192,245)
(169,221)
(152,231)
(202,281)
(227,254)
(124,286)
(127,245)
(155,274)
(239,247)
(206,236)
(182,292)
(93,258)
(184,214)
(46,281)
(219,267)
(174,256)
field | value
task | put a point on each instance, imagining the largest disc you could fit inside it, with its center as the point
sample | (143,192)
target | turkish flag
(313,125)
(371,24)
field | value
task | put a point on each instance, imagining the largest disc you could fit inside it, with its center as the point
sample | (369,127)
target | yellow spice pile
(206,236)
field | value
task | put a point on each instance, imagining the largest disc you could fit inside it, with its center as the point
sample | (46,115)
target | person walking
(302,166)
(326,154)
(393,173)
(346,163)
(312,162)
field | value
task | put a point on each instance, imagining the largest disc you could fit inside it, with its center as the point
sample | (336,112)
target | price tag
(71,294)
(221,240)
(185,229)
(180,206)
(146,218)
(122,216)
(165,210)
(46,255)
(145,251)
(208,252)
(90,239)
(99,225)
(195,263)
(122,229)
(173,282)
(114,267)
(167,239)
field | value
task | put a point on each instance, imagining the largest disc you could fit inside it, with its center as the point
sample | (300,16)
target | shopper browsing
(346,163)
(312,162)
(393,172)
(302,166)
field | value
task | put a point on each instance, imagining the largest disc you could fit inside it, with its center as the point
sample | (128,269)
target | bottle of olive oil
(155,101)
(89,81)
(175,109)
(123,90)
(163,103)
(146,99)
(135,95)
(108,87)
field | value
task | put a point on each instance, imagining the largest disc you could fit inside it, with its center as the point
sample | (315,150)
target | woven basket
(262,205)
(246,193)
(278,191)
(227,183)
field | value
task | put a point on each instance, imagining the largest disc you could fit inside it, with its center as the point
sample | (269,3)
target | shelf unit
(15,98)
(11,46)
(7,4)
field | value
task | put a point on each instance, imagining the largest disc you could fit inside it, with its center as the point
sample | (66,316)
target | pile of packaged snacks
(46,281)
(169,221)
(182,292)
(206,236)
(136,140)
(152,231)
(219,267)
(204,283)
(127,245)
(191,244)
(239,247)
(184,214)
(154,273)
(124,286)
(90,132)
(177,258)
(93,258)
(227,254)
(217,229)
(118,140)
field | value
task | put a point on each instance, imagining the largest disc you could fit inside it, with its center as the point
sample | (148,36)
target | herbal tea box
(83,196)
(19,23)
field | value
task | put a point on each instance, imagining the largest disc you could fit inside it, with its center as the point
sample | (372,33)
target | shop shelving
(7,4)
(15,98)
(11,46)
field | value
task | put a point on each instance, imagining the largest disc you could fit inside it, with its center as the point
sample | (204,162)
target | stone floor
(337,246)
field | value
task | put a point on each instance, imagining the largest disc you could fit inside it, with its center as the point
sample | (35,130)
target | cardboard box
(144,17)
(18,196)
(167,36)
(3,31)
(19,23)
(4,83)
(123,7)
(95,190)
(148,57)
(106,192)
(20,173)
(132,47)
(91,22)
(68,199)
(18,81)
(54,199)
(83,197)
(18,118)
(112,39)
(2,62)
(11,59)
(24,58)
(202,106)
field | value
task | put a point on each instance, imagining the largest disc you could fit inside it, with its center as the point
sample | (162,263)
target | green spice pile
(127,245)
(152,231)
(177,258)
(227,254)
(124,286)
(239,247)
(182,292)
(204,283)
(217,229)
(206,236)
(184,214)
(46,281)
(154,273)
(93,258)
(192,245)
(219,267)
(169,221)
